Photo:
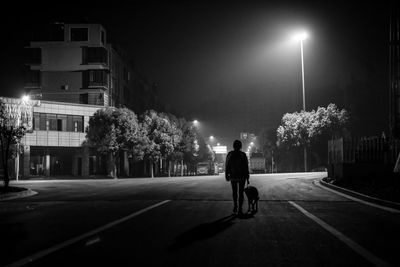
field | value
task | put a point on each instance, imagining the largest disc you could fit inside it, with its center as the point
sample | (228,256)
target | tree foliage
(11,133)
(154,137)
(302,128)
(113,130)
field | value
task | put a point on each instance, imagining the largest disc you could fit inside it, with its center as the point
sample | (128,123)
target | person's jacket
(237,166)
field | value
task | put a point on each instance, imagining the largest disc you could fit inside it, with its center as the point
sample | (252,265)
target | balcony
(94,55)
(95,79)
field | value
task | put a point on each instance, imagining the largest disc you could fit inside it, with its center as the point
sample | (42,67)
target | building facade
(79,66)
(55,144)
(71,72)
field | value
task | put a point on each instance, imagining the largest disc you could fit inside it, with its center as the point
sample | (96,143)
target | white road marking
(392,210)
(71,241)
(353,245)
(92,241)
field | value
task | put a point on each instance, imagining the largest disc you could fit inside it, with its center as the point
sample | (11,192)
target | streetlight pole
(301,37)
(302,74)
(304,97)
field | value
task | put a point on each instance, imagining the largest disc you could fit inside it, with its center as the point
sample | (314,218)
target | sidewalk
(382,194)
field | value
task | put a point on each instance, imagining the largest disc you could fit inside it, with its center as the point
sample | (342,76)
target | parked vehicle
(203,168)
(221,167)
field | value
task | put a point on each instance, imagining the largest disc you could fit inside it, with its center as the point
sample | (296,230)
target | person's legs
(234,185)
(241,194)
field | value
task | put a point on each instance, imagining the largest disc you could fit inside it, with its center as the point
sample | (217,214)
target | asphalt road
(186,221)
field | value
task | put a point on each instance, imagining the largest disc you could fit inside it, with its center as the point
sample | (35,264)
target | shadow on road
(202,231)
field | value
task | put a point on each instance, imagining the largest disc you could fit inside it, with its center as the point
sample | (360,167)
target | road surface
(186,221)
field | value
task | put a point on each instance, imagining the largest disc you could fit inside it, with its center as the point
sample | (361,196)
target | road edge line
(392,210)
(73,240)
(350,243)
(22,194)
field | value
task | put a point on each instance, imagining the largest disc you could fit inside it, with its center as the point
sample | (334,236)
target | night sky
(233,65)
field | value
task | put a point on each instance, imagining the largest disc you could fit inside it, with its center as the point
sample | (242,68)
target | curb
(22,194)
(382,202)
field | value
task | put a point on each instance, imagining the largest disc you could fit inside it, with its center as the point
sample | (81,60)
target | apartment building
(77,65)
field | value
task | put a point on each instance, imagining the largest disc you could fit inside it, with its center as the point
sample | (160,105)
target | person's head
(237,145)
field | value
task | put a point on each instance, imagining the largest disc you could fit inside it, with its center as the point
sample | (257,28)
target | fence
(362,156)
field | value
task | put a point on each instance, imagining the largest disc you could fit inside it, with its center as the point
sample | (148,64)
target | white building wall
(58,138)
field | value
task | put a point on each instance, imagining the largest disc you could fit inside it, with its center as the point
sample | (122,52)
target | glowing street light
(25,98)
(211,137)
(195,122)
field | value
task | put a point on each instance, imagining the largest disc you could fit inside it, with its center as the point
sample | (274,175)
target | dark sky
(232,65)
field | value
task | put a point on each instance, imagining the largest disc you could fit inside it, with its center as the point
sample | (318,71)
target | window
(74,123)
(36,121)
(43,122)
(79,34)
(95,78)
(92,55)
(57,122)
(51,124)
(77,123)
(62,123)
(70,123)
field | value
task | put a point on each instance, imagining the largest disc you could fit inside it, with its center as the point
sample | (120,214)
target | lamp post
(25,102)
(301,37)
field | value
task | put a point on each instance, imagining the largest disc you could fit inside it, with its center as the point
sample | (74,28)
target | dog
(252,198)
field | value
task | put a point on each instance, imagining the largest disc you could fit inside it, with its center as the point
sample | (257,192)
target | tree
(329,120)
(11,133)
(302,129)
(176,134)
(186,145)
(160,137)
(112,131)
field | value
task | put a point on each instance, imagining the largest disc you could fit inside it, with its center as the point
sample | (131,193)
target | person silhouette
(237,172)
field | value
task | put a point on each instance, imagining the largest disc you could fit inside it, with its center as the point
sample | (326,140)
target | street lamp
(25,102)
(302,37)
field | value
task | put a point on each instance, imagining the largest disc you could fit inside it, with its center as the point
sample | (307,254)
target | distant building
(75,64)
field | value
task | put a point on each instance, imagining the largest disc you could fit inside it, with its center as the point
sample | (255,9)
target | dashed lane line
(91,233)
(376,261)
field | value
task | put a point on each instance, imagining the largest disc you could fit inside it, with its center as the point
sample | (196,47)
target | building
(54,144)
(70,74)
(75,64)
